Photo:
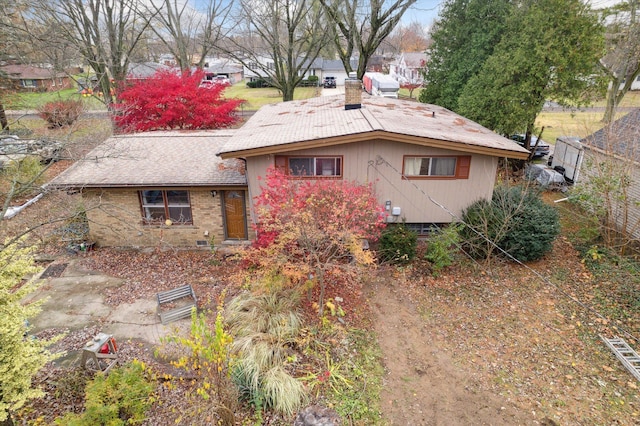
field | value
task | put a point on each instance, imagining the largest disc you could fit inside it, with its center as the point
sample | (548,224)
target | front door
(235,223)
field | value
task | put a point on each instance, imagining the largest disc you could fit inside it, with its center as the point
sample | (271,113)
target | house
(617,147)
(146,189)
(143,70)
(426,163)
(407,68)
(223,67)
(29,78)
(319,67)
(335,68)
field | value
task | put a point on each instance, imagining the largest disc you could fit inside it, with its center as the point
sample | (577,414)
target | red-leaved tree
(311,228)
(171,100)
(410,86)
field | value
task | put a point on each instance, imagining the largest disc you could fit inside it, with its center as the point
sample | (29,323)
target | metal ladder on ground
(629,358)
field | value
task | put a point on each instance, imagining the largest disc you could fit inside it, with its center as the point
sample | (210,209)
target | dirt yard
(478,345)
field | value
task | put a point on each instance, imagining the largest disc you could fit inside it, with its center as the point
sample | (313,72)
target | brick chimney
(352,92)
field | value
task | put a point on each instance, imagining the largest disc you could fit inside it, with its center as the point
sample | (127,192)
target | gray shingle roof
(325,117)
(172,158)
(622,138)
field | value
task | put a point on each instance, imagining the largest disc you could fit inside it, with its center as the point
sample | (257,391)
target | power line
(380,161)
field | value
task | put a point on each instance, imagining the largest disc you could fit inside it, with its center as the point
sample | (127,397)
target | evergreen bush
(121,398)
(398,244)
(516,220)
(442,246)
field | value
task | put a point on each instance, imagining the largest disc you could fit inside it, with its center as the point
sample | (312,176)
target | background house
(617,147)
(407,68)
(28,78)
(161,188)
(225,67)
(144,70)
(413,153)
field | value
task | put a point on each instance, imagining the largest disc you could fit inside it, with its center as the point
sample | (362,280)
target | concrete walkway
(74,300)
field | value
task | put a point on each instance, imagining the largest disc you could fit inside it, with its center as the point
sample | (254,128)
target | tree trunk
(4,123)
(287,92)
(612,96)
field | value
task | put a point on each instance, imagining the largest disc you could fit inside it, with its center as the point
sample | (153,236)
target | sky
(425,11)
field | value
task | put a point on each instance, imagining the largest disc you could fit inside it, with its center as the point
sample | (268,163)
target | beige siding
(115,220)
(367,162)
(632,210)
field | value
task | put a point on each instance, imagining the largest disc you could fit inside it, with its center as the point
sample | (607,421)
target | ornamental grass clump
(265,327)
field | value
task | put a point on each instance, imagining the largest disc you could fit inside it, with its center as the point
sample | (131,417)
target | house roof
(167,159)
(622,138)
(323,121)
(145,69)
(29,72)
(415,59)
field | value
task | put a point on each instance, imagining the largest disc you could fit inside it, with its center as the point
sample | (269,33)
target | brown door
(235,223)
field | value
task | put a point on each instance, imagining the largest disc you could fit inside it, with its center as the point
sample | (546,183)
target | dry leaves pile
(527,340)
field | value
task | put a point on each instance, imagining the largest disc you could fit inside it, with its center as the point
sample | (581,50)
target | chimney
(352,92)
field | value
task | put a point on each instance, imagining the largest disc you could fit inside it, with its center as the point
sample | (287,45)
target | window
(310,166)
(28,83)
(159,206)
(437,167)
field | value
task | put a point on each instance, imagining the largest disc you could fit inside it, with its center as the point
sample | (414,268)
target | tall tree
(550,51)
(106,32)
(279,40)
(622,62)
(172,101)
(311,229)
(463,38)
(408,38)
(360,27)
(186,31)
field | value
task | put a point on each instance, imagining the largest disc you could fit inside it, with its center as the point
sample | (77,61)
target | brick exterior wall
(115,220)
(353,93)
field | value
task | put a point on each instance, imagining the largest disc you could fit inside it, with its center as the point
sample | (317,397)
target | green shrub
(516,220)
(258,83)
(398,244)
(61,113)
(120,398)
(442,246)
(313,78)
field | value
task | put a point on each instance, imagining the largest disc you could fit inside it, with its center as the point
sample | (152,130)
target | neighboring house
(29,78)
(225,67)
(425,162)
(335,68)
(154,188)
(617,146)
(255,68)
(319,67)
(407,68)
(144,70)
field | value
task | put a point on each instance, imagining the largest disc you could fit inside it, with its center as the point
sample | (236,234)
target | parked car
(329,82)
(217,80)
(541,149)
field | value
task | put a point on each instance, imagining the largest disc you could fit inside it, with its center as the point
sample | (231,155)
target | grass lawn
(258,97)
(255,97)
(31,101)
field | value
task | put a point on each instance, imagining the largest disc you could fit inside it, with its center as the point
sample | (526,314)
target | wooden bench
(169,296)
